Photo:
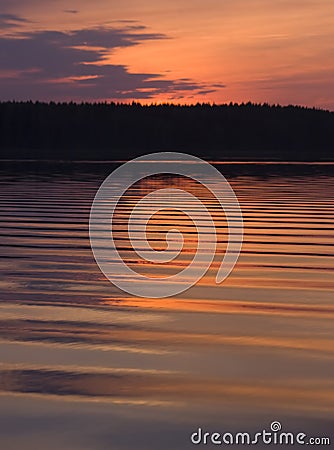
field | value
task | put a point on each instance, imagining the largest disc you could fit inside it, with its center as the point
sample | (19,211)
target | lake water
(85,366)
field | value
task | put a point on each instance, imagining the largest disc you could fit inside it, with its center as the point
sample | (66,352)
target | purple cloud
(11,20)
(56,65)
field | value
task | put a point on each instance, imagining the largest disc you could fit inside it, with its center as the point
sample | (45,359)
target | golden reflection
(227,307)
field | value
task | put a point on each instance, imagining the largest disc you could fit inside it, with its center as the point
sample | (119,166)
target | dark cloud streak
(60,66)
(9,21)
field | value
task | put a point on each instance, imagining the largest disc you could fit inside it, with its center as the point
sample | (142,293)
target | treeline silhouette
(109,131)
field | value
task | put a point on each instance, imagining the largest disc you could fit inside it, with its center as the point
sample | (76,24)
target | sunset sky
(184,51)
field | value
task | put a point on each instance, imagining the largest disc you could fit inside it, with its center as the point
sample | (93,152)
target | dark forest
(109,131)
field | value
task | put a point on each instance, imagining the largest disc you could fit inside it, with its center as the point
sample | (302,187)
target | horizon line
(169,104)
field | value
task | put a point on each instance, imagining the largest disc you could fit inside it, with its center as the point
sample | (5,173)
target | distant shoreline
(220,162)
(119,132)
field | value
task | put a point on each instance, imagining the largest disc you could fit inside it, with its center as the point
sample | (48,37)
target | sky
(181,51)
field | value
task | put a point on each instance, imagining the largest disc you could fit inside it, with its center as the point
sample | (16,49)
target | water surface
(86,366)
